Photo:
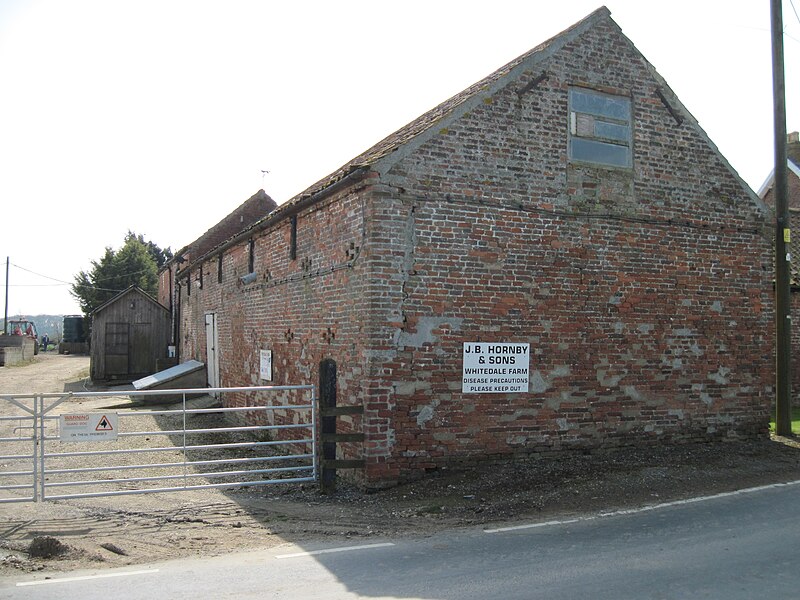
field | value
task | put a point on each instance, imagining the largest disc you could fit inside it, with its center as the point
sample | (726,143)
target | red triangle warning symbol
(104,425)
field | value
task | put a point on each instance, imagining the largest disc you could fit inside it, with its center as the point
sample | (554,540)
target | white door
(212,339)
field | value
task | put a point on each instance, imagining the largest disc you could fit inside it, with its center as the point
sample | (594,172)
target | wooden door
(117,343)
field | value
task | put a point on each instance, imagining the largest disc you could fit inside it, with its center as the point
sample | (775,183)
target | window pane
(611,131)
(584,125)
(600,152)
(603,106)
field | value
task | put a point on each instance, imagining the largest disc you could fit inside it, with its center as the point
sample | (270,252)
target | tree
(135,263)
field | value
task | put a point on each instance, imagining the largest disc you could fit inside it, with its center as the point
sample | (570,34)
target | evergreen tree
(135,263)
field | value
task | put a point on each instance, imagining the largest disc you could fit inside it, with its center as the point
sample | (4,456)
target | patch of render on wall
(682,343)
(633,393)
(720,376)
(426,413)
(424,333)
(607,379)
(540,383)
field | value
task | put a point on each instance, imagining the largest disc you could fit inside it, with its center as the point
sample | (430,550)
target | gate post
(327,400)
(38,449)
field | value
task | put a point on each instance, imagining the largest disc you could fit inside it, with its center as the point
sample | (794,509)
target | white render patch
(721,376)
(425,414)
(424,333)
(538,384)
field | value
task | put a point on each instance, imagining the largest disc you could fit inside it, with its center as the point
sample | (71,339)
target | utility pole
(783,318)
(5,316)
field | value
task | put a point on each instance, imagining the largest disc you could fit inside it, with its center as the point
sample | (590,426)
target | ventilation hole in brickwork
(352,251)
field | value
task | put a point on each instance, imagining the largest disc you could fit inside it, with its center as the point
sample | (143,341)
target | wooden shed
(130,333)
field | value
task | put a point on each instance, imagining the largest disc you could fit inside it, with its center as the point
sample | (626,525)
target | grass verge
(795,422)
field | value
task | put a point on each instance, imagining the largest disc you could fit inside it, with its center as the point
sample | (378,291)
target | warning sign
(495,368)
(104,425)
(88,427)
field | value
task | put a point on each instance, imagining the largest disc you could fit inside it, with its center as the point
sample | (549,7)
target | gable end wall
(644,294)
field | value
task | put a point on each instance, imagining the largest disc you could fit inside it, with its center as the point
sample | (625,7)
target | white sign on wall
(495,368)
(266,365)
(88,427)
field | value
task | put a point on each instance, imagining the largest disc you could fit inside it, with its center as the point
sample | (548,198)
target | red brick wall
(645,294)
(164,287)
(793,189)
(304,310)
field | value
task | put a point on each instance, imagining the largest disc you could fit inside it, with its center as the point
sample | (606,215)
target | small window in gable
(599,128)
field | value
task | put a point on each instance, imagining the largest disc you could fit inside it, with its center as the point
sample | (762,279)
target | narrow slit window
(293,239)
(600,128)
(219,268)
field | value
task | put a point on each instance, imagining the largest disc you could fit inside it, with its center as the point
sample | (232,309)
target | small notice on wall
(88,427)
(266,365)
(495,368)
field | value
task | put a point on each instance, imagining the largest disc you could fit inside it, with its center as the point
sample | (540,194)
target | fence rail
(271,439)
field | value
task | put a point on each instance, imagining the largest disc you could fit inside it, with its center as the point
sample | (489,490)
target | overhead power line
(40,275)
(795,11)
(61,281)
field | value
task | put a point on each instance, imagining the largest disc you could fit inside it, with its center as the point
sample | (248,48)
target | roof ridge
(132,287)
(424,122)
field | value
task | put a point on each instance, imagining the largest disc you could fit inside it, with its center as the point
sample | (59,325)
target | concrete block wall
(16,349)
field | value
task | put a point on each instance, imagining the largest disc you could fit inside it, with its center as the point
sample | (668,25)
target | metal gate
(88,444)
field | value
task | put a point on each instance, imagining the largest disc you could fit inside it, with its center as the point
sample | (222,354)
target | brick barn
(793,202)
(555,259)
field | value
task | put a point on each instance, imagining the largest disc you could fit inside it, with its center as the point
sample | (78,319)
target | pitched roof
(792,162)
(125,292)
(386,152)
(250,211)
(415,128)
(770,180)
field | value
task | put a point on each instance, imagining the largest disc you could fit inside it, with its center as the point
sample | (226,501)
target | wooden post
(327,401)
(329,412)
(783,232)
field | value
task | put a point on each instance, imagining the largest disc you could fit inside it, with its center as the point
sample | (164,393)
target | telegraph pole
(5,316)
(783,318)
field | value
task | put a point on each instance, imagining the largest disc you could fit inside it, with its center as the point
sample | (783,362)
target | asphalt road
(739,546)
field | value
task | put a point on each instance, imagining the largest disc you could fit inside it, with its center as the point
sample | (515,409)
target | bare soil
(109,532)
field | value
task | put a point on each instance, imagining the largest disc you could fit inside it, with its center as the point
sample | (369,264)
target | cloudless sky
(159,116)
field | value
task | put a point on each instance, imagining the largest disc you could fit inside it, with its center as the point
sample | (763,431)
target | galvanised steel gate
(87,444)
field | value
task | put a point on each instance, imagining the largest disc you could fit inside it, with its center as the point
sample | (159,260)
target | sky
(162,116)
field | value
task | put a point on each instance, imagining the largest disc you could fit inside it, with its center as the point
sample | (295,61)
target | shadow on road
(287,518)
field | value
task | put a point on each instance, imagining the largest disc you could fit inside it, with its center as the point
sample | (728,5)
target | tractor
(24,328)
